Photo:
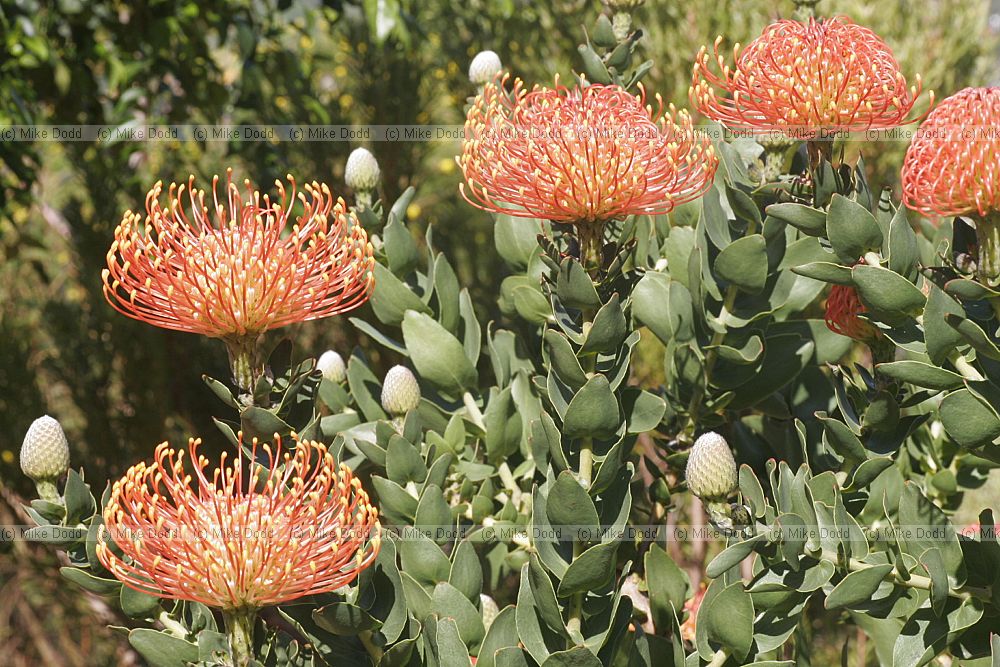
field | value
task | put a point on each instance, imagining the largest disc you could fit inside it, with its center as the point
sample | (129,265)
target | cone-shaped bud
(332,366)
(490,609)
(711,469)
(361,173)
(400,391)
(624,5)
(484,67)
(45,451)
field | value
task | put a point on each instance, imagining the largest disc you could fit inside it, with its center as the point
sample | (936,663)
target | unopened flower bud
(361,172)
(624,5)
(45,451)
(400,391)
(711,469)
(332,366)
(484,67)
(490,609)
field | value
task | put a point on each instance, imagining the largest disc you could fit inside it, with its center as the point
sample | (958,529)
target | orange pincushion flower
(842,309)
(300,525)
(234,267)
(829,74)
(951,166)
(580,155)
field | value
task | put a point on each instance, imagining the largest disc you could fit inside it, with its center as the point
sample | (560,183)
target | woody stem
(239,629)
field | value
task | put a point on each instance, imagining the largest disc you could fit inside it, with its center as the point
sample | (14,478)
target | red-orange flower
(828,74)
(240,539)
(580,155)
(689,627)
(236,266)
(951,167)
(843,307)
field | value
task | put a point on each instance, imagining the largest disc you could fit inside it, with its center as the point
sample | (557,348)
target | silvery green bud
(490,609)
(45,451)
(362,173)
(332,366)
(624,5)
(711,469)
(484,67)
(400,391)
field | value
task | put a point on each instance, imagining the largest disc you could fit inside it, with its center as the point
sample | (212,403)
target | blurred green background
(116,385)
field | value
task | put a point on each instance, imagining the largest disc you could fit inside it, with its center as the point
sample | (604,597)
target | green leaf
(920,374)
(608,330)
(886,293)
(423,560)
(925,634)
(517,238)
(668,587)
(804,218)
(973,335)
(744,263)
(857,587)
(915,509)
(563,359)
(438,356)
(643,410)
(451,645)
(594,569)
(843,440)
(902,246)
(574,287)
(161,649)
(400,248)
(136,604)
(732,556)
(472,333)
(392,297)
(89,582)
(852,229)
(933,562)
(664,306)
(403,462)
(969,420)
(80,503)
(726,620)
(942,339)
(570,505)
(578,656)
(466,571)
(502,633)
(593,411)
(433,511)
(531,304)
(826,271)
(394,502)
(344,619)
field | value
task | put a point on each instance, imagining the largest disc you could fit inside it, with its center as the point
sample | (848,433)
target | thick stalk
(239,629)
(712,356)
(719,659)
(47,490)
(585,473)
(915,580)
(963,366)
(988,245)
(245,362)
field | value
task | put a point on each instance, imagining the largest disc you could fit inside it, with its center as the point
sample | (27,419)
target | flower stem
(988,244)
(915,580)
(244,360)
(239,628)
(47,490)
(719,659)
(963,366)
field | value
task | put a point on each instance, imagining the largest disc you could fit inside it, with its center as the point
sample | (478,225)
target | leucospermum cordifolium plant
(828,357)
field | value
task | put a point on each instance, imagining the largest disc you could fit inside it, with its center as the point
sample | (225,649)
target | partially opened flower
(233,265)
(951,166)
(585,155)
(805,78)
(843,310)
(951,169)
(247,535)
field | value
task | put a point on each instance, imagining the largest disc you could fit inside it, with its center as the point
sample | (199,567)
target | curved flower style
(951,165)
(805,78)
(842,309)
(298,526)
(228,269)
(580,155)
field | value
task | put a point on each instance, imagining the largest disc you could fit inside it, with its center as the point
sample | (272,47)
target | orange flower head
(689,627)
(588,154)
(842,309)
(296,524)
(828,74)
(951,167)
(236,266)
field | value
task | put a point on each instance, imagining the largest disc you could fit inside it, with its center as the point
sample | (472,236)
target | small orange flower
(588,154)
(842,309)
(951,165)
(829,74)
(299,525)
(234,267)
